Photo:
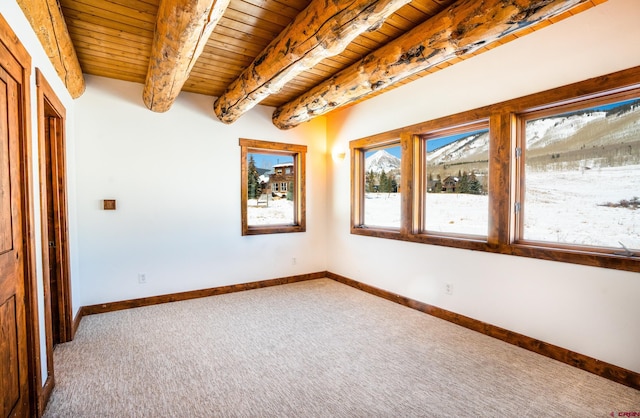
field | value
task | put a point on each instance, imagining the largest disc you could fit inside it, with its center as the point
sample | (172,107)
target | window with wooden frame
(453,177)
(554,175)
(267,208)
(579,175)
(377,187)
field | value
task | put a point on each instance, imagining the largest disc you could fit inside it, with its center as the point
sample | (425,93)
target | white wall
(16,19)
(589,310)
(176,179)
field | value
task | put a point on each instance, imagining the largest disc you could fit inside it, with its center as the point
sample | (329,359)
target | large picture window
(554,175)
(272,188)
(581,174)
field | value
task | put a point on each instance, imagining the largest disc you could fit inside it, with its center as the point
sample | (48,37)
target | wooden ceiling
(113,38)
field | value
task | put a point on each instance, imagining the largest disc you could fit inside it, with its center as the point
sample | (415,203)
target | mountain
(588,128)
(594,134)
(381,160)
(469,148)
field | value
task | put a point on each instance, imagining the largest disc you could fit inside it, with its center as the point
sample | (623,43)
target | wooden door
(52,211)
(14,367)
(53,199)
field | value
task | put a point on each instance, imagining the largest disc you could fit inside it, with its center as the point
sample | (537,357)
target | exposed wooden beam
(182,30)
(461,29)
(48,23)
(323,29)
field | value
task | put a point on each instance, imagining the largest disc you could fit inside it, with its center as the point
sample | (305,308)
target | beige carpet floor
(310,349)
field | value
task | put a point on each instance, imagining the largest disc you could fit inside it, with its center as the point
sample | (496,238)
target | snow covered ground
(560,206)
(279,212)
(382,209)
(566,206)
(457,213)
(446,212)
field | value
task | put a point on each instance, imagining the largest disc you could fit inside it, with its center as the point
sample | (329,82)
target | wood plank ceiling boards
(296,55)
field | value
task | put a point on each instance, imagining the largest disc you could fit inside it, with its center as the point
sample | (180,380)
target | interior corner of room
(123,207)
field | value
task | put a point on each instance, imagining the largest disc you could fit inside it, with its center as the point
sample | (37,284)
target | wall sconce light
(338,153)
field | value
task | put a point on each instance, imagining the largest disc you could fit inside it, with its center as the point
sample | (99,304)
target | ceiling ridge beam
(45,17)
(182,30)
(459,30)
(324,29)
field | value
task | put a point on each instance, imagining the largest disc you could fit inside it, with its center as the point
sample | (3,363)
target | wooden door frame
(56,145)
(10,40)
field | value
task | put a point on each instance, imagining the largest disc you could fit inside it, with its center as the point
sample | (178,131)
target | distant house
(280,178)
(449,184)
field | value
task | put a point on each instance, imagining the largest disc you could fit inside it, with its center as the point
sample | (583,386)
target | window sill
(273,229)
(576,255)
(530,250)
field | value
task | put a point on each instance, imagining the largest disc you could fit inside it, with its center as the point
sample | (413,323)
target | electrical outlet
(448,288)
(294,261)
(142,278)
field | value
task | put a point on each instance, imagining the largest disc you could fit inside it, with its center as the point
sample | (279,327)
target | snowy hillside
(380,161)
(588,129)
(473,147)
(544,132)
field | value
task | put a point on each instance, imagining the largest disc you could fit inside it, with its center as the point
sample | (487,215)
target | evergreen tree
(384,183)
(437,188)
(253,180)
(370,182)
(393,185)
(463,184)
(290,191)
(475,187)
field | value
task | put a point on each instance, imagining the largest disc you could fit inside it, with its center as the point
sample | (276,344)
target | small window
(580,175)
(455,170)
(272,188)
(378,202)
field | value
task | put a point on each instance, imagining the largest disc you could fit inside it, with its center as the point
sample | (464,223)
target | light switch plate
(109,204)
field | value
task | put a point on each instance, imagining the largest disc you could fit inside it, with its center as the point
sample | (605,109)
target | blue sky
(432,144)
(268,160)
(612,105)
